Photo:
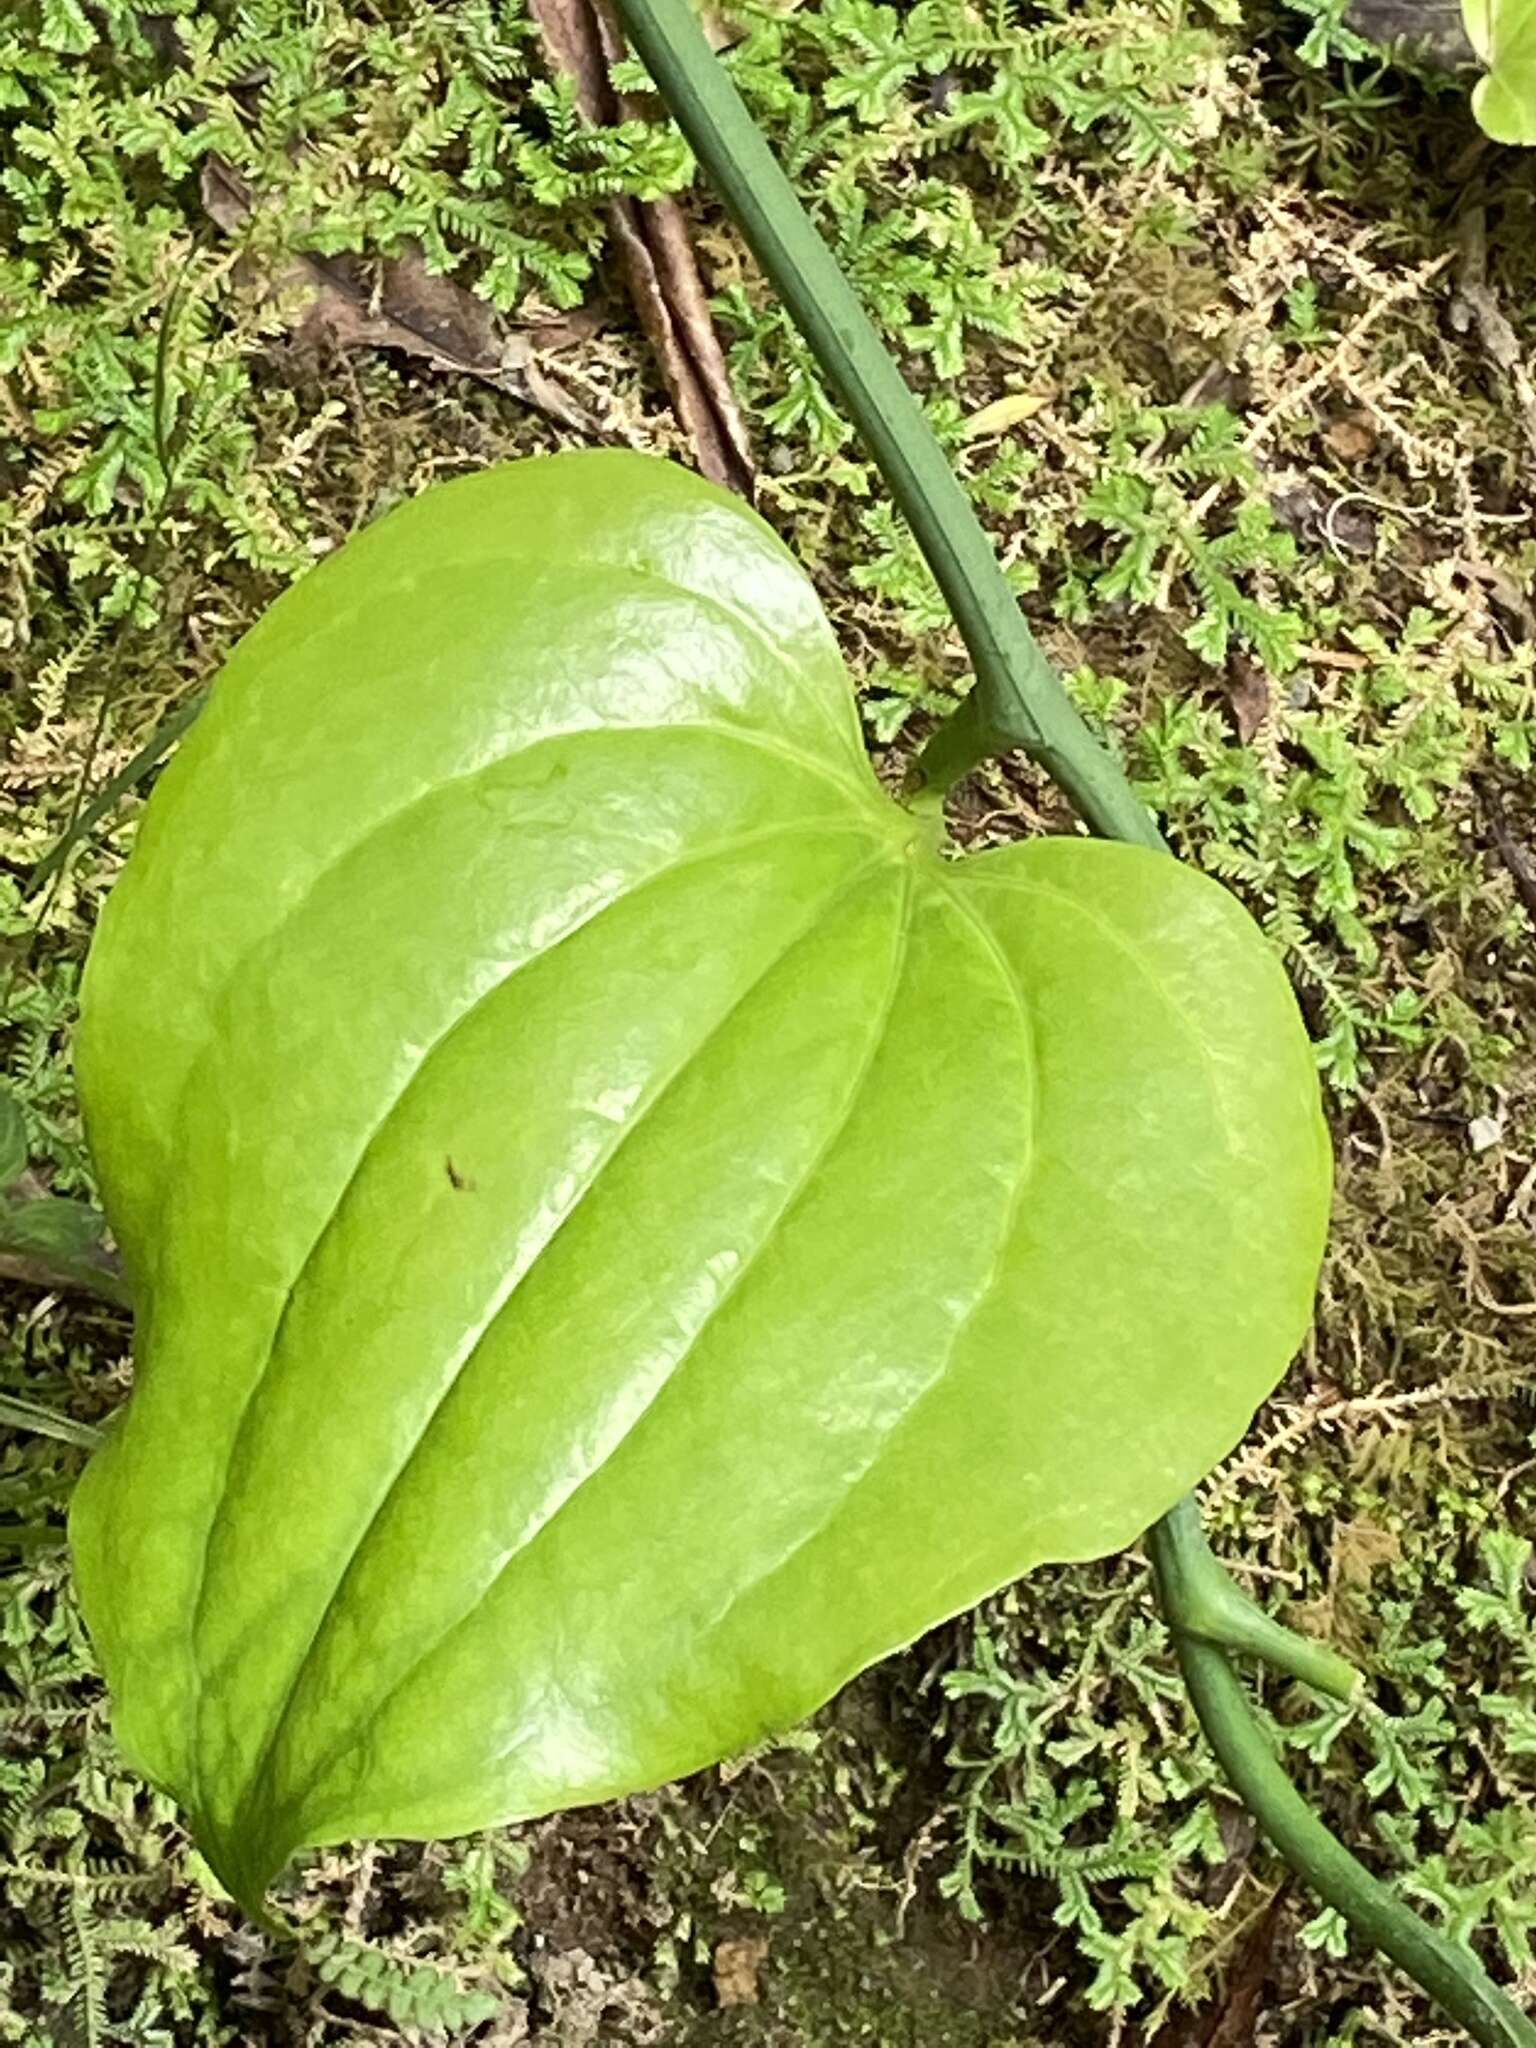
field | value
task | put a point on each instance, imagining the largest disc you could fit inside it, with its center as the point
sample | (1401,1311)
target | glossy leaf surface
(1503,33)
(626,1233)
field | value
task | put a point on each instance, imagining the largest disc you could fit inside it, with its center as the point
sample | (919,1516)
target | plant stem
(1452,1976)
(1190,1583)
(159,744)
(1201,1601)
(1019,701)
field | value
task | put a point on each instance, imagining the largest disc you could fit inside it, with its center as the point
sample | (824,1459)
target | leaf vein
(625,1136)
(984,1294)
(1137,955)
(695,858)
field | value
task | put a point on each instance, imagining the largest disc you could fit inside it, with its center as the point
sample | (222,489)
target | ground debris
(1247,692)
(1476,307)
(1516,858)
(1434,28)
(594,2008)
(659,265)
(401,304)
(736,1969)
(1232,2021)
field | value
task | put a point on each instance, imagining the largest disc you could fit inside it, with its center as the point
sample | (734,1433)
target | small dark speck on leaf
(459,1180)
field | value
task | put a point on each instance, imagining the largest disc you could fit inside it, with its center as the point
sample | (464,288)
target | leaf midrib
(696,857)
(835,1134)
(885,855)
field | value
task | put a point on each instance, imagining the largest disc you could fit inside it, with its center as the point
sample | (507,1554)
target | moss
(1264,480)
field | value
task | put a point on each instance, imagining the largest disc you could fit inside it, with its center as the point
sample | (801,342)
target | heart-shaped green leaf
(625,1232)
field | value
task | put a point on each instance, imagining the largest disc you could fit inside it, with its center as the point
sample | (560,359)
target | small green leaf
(54,1226)
(66,26)
(1503,33)
(626,1233)
(13,1139)
(51,1242)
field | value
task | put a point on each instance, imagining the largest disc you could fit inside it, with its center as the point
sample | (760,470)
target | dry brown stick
(1476,305)
(1522,869)
(653,242)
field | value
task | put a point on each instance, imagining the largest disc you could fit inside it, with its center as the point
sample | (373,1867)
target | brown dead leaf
(652,237)
(1351,438)
(1247,692)
(402,305)
(1242,2007)
(1233,2020)
(1360,1548)
(724,31)
(736,1968)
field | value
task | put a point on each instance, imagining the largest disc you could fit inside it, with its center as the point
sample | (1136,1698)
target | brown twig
(653,242)
(1476,305)
(1522,869)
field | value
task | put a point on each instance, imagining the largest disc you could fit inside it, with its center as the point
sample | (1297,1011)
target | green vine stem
(1181,1559)
(1018,701)
(1203,1602)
